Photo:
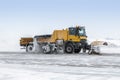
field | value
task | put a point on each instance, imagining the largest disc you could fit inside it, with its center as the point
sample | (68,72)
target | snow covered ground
(109,49)
(36,66)
(33,66)
(16,72)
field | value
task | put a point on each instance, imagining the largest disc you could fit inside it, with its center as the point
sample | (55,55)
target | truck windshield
(77,31)
(81,31)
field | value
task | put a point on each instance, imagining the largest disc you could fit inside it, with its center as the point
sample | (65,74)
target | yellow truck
(70,40)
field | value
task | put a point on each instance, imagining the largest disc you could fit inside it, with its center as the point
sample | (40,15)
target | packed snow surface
(37,66)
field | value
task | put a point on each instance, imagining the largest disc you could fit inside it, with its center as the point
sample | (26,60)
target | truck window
(72,31)
(82,32)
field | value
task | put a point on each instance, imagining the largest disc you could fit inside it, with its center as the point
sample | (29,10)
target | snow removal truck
(70,40)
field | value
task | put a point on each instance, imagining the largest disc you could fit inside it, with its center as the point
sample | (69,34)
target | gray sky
(20,18)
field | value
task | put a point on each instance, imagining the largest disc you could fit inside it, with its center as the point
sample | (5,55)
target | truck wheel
(29,48)
(69,48)
(77,50)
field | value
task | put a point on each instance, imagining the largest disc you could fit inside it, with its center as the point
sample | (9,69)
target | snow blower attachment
(70,40)
(96,46)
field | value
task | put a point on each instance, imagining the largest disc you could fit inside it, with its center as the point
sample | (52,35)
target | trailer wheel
(69,48)
(29,48)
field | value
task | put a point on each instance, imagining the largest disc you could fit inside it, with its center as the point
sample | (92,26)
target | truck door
(73,34)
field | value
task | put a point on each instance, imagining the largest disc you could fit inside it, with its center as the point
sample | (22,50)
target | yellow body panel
(59,35)
(25,41)
(64,35)
(43,39)
(74,38)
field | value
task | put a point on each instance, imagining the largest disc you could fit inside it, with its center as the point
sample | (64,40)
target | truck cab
(77,40)
(77,34)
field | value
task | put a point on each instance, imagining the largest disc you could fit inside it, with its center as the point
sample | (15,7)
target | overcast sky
(20,18)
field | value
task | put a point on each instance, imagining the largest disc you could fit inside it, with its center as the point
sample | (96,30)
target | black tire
(29,48)
(69,48)
(77,50)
